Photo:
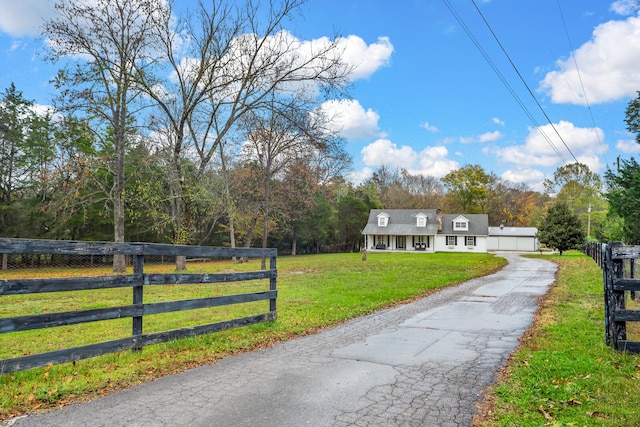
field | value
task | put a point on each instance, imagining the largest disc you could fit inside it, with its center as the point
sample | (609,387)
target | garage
(521,239)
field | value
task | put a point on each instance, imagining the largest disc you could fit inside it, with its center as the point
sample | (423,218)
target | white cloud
(485,137)
(609,66)
(432,161)
(628,146)
(24,17)
(624,7)
(44,110)
(585,144)
(498,121)
(365,58)
(490,136)
(350,119)
(428,126)
(532,177)
(386,152)
(359,177)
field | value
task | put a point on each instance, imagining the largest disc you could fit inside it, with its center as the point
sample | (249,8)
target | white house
(426,230)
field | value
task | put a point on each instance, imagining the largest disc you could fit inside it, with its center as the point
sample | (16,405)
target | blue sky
(426,99)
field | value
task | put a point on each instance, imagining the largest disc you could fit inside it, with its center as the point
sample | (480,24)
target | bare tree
(105,43)
(221,63)
(277,136)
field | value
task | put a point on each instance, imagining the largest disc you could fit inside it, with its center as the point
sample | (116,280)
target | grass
(563,374)
(314,292)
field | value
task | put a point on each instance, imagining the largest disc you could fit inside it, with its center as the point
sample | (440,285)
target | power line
(522,79)
(503,79)
(584,92)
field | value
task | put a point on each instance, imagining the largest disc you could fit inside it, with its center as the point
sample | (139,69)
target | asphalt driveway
(420,364)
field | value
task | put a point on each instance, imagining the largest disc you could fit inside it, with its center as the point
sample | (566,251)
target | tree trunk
(119,263)
(183,210)
(250,231)
(294,244)
(230,207)
(265,227)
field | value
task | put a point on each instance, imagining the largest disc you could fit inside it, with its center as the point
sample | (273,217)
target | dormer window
(383,219)
(460,224)
(421,220)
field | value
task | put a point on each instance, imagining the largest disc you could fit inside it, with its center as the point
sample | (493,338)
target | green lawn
(563,374)
(314,291)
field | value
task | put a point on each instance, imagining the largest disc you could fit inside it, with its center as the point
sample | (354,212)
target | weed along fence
(621,284)
(259,300)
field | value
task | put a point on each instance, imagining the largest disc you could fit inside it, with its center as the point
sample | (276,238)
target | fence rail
(137,282)
(619,276)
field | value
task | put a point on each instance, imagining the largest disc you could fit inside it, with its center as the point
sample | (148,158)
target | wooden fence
(137,282)
(620,286)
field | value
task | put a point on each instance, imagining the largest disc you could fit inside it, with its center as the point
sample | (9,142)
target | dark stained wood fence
(137,282)
(620,280)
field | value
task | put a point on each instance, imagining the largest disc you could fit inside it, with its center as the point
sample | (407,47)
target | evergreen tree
(561,229)
(624,198)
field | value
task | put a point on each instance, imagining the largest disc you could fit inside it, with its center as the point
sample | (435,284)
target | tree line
(204,128)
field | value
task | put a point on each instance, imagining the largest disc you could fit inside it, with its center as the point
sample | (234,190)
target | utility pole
(589,222)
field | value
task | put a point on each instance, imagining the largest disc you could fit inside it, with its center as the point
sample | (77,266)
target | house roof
(403,222)
(513,231)
(478,224)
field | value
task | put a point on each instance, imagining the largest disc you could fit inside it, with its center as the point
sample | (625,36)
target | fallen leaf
(544,413)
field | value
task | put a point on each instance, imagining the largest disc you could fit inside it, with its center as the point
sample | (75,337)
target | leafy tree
(367,193)
(107,42)
(353,214)
(561,229)
(581,189)
(624,197)
(511,204)
(26,153)
(632,119)
(471,187)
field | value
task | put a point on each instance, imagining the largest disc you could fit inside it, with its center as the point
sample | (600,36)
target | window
(452,240)
(471,241)
(380,240)
(419,239)
(383,219)
(422,220)
(461,225)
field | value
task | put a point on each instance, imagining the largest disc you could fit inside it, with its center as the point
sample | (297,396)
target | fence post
(138,290)
(608,285)
(618,329)
(272,283)
(632,275)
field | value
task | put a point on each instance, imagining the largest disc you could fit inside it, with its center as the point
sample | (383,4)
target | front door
(400,242)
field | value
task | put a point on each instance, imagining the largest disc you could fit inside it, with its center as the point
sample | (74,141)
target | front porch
(391,243)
